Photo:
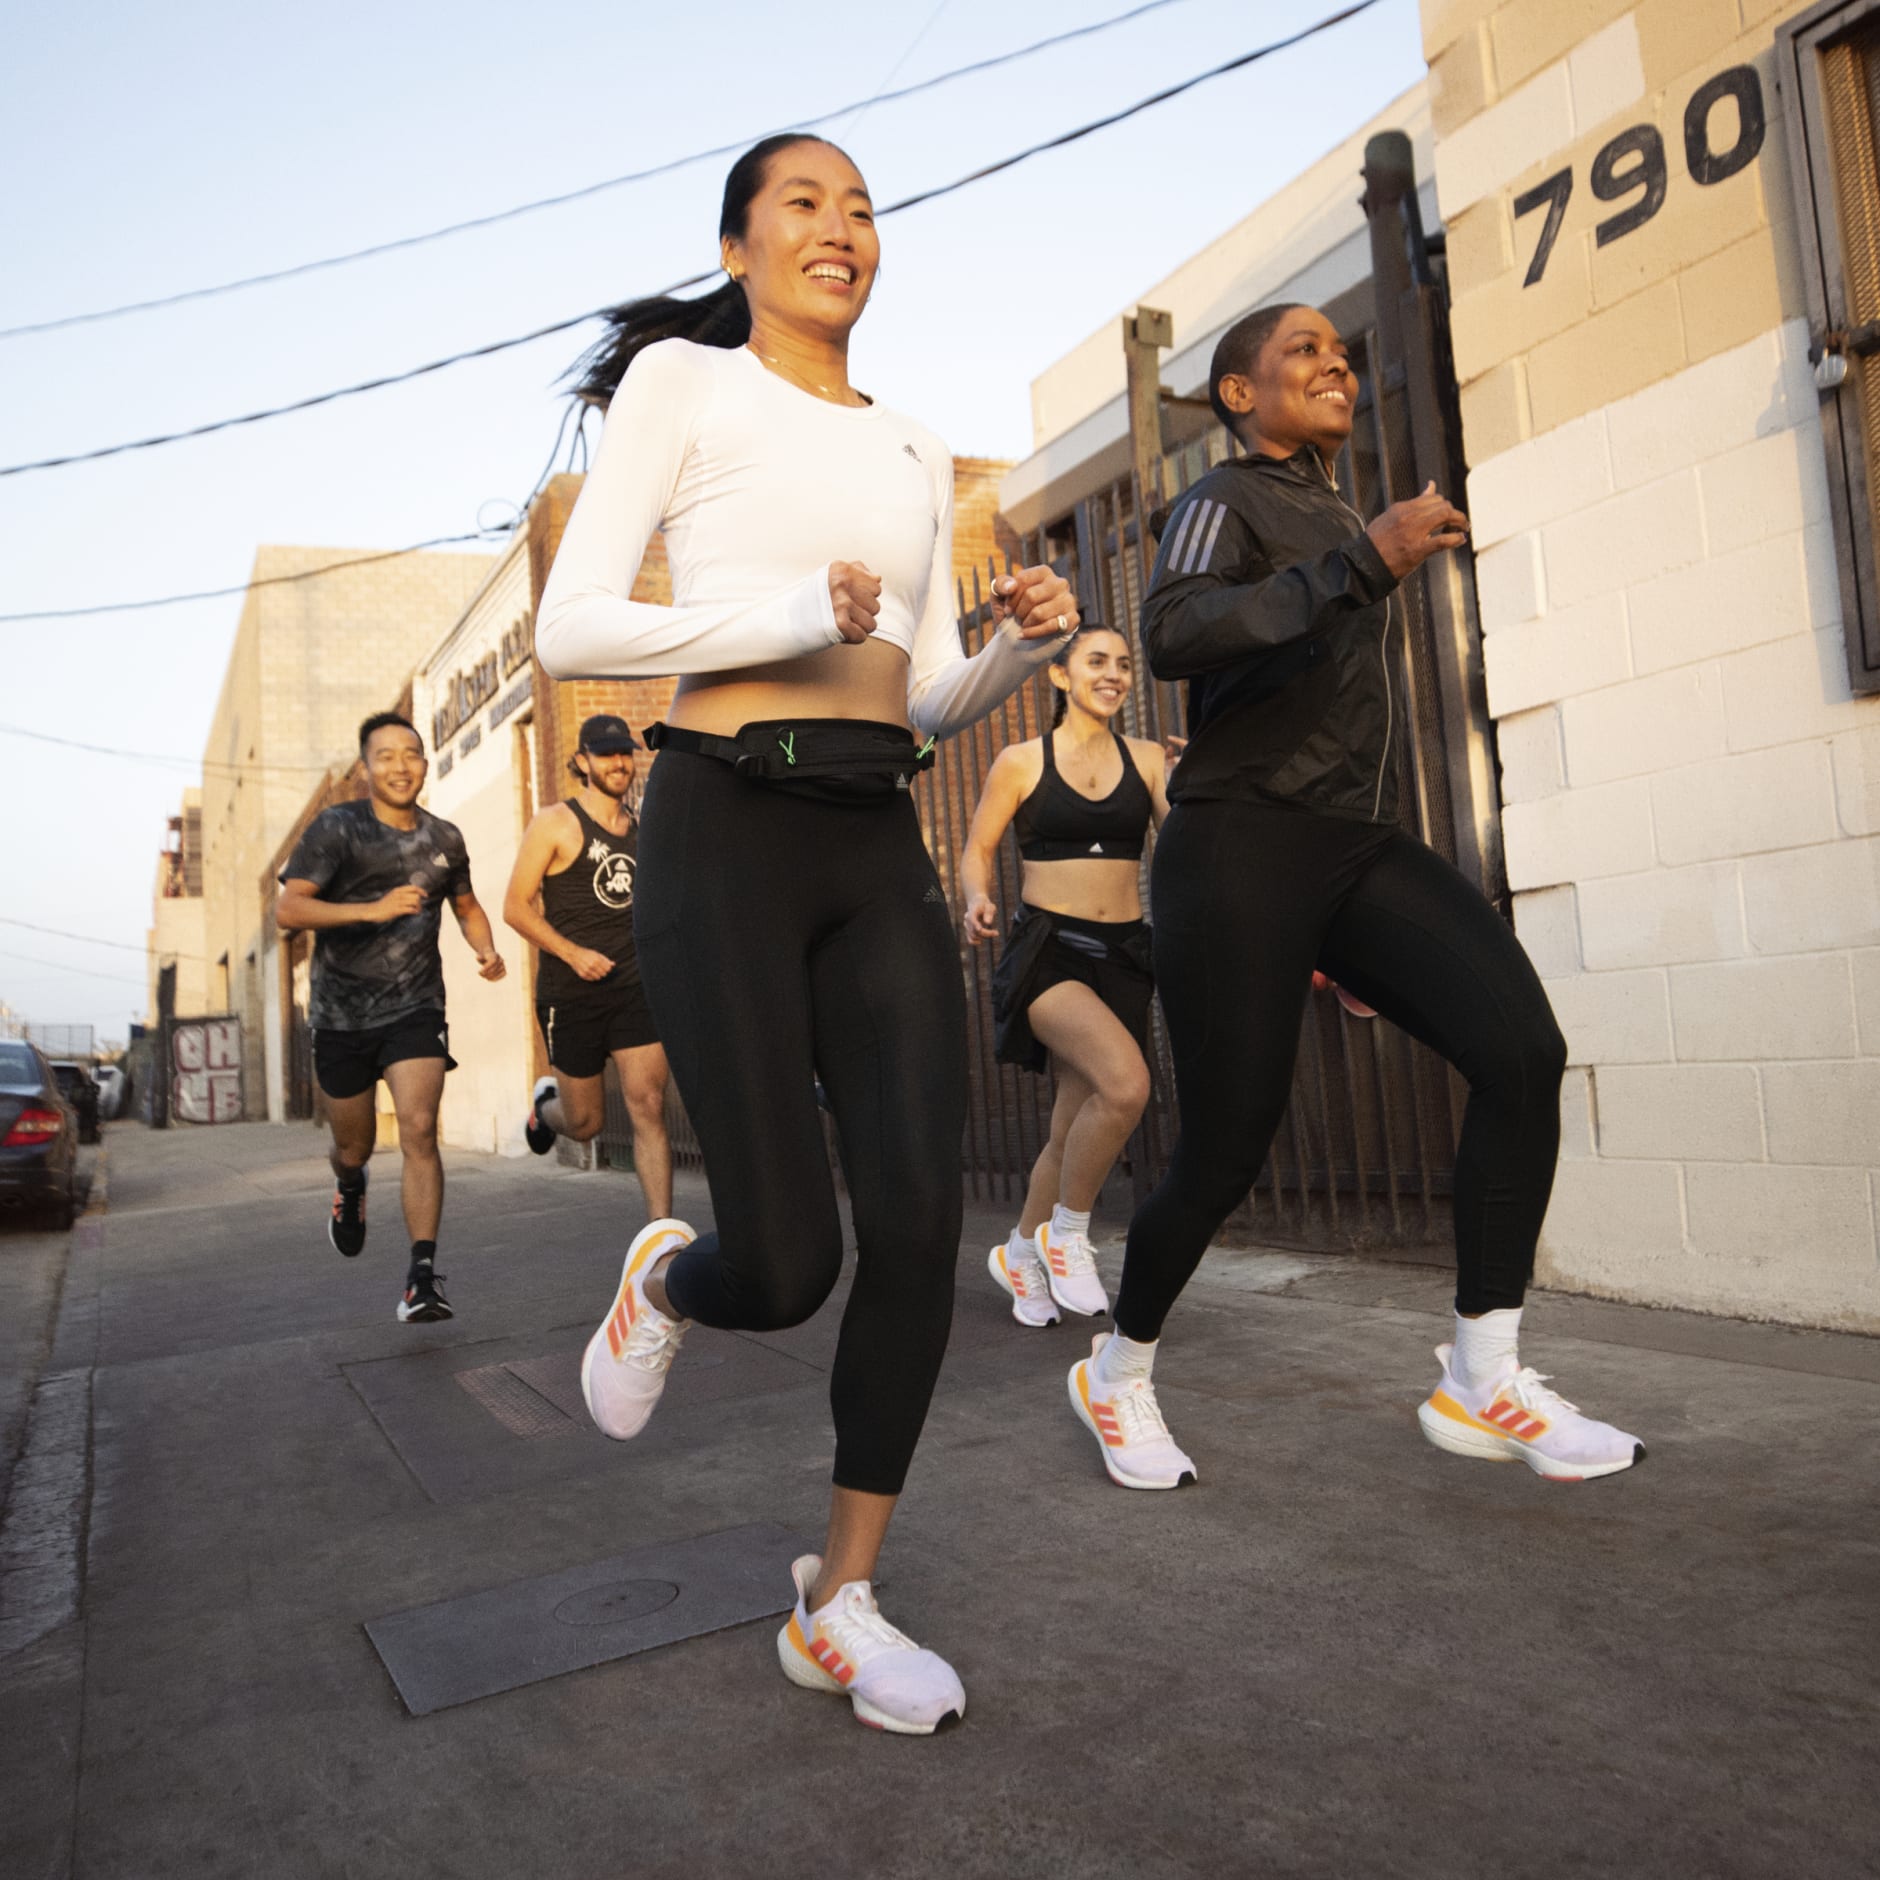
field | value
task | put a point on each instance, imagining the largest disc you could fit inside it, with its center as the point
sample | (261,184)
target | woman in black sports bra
(1074,980)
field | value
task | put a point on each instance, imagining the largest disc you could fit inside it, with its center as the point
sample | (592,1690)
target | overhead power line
(60,966)
(151,757)
(326,398)
(587,189)
(908,51)
(91,939)
(270,580)
(693,280)
(480,534)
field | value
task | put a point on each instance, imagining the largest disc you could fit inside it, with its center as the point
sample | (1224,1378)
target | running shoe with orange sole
(1022,1281)
(1127,1422)
(1516,1418)
(1070,1270)
(849,1650)
(623,1370)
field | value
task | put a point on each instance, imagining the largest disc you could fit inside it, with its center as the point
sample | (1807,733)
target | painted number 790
(1633,164)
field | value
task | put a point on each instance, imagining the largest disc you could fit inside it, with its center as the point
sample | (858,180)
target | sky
(168,148)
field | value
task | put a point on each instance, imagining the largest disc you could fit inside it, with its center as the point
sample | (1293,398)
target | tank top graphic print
(591,903)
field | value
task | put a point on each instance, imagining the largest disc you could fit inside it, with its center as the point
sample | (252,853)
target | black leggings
(1248,899)
(781,939)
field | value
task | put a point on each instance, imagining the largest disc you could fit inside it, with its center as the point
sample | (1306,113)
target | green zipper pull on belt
(789,747)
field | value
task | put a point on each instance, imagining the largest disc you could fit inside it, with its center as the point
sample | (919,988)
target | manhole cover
(616,1603)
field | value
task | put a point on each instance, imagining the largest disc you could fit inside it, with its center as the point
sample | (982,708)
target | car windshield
(17,1065)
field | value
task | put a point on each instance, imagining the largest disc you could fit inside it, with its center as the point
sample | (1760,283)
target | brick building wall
(1692,793)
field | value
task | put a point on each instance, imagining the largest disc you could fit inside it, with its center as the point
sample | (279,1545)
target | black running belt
(877,757)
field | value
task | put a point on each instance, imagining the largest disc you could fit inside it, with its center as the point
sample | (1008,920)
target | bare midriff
(1085,890)
(865,681)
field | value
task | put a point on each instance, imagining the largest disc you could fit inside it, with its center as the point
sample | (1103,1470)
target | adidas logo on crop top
(1058,824)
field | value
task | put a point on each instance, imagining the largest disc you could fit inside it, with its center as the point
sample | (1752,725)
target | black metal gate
(1366,1151)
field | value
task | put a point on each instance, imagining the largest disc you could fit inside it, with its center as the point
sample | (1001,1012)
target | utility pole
(166,1025)
(1145,333)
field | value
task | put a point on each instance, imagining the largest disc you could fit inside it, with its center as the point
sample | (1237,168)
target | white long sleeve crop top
(758,487)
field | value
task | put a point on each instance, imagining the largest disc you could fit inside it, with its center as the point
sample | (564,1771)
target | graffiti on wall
(206,1071)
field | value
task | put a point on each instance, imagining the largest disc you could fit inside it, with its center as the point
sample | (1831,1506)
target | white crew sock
(1020,1246)
(549,1110)
(1068,1221)
(1122,1360)
(1485,1346)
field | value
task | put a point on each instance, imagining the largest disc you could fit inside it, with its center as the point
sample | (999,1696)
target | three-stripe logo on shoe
(832,1661)
(620,1322)
(1514,1419)
(1102,1414)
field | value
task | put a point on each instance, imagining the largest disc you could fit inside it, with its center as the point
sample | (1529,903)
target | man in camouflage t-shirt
(370,879)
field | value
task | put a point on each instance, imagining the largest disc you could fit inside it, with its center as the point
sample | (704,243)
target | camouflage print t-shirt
(370,973)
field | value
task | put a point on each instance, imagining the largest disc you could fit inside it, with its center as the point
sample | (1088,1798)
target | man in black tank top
(571,895)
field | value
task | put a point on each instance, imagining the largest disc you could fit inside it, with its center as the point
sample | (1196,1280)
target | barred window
(1829,61)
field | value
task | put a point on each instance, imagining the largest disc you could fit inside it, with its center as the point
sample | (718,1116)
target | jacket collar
(1304,462)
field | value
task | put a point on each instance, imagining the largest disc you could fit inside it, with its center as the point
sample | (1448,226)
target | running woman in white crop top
(788,921)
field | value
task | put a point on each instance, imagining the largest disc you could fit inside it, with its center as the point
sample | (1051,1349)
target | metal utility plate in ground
(476,1420)
(484,1643)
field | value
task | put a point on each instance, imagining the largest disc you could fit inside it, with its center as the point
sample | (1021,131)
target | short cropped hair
(378,721)
(1238,348)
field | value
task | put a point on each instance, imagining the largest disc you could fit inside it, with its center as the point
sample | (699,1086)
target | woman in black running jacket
(1282,856)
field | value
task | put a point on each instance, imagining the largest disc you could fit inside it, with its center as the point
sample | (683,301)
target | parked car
(81,1093)
(38,1135)
(110,1081)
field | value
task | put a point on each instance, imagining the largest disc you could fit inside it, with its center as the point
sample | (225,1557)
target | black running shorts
(1044,950)
(349,1062)
(582,1035)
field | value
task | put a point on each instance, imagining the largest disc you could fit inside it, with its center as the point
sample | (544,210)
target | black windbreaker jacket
(1271,601)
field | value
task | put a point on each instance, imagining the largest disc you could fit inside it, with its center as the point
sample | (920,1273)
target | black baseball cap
(606,736)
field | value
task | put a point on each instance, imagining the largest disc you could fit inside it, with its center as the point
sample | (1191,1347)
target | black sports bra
(1058,824)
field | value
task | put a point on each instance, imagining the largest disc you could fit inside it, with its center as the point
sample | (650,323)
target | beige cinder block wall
(1692,794)
(310,660)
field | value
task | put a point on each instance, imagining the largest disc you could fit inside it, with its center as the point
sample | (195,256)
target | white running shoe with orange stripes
(1516,1418)
(848,1648)
(1070,1270)
(1023,1282)
(623,1370)
(1127,1422)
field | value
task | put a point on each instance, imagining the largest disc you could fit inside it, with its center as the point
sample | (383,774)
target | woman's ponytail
(720,318)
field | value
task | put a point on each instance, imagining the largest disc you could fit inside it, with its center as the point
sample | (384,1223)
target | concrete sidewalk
(1342,1653)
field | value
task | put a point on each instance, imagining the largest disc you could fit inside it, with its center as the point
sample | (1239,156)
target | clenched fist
(856,597)
(588,964)
(1039,599)
(1407,534)
(982,920)
(397,904)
